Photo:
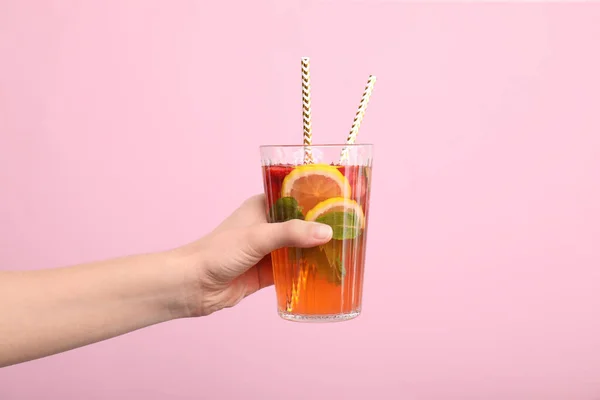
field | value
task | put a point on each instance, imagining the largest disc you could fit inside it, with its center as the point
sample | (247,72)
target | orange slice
(313,183)
(337,204)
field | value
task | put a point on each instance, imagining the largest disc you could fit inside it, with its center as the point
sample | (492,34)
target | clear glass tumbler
(330,184)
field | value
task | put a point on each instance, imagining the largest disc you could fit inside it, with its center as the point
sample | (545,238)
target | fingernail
(322,231)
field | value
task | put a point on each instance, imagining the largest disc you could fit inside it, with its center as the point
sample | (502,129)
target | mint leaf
(327,261)
(345,225)
(285,209)
(333,253)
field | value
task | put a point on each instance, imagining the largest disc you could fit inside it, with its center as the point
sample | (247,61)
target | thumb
(265,238)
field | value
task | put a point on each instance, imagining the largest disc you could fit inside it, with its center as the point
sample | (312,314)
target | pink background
(133,126)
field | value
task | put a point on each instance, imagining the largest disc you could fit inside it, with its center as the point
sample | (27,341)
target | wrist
(184,265)
(159,283)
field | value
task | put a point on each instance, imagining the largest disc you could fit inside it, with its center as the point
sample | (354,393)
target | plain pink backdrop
(133,126)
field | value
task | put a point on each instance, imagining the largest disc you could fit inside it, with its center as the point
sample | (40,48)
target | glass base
(319,318)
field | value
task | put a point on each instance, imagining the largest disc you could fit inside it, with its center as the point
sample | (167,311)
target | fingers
(265,238)
(264,270)
(250,212)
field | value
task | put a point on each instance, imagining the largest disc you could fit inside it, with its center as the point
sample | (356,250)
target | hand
(234,261)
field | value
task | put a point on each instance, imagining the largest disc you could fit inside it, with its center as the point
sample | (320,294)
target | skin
(48,311)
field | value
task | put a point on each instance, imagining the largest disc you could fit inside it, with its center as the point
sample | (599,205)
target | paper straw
(306,121)
(360,114)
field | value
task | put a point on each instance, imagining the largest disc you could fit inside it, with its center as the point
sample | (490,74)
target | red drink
(324,282)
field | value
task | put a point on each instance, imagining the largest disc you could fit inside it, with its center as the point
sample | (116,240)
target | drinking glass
(330,184)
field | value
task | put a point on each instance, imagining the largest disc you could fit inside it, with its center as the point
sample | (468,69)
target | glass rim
(267,146)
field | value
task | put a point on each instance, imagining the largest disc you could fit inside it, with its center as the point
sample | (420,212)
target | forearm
(49,311)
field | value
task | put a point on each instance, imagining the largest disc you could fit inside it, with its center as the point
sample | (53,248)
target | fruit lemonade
(328,279)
